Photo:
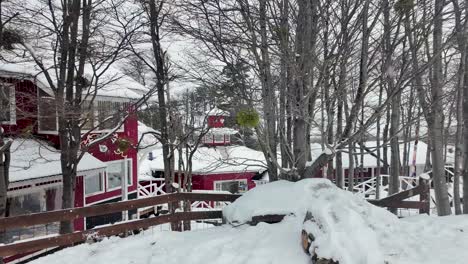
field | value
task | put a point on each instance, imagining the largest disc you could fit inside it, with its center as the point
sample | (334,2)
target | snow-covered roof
(217,112)
(370,161)
(113,83)
(225,159)
(223,130)
(149,139)
(31,159)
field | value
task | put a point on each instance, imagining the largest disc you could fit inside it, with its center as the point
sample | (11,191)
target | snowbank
(344,225)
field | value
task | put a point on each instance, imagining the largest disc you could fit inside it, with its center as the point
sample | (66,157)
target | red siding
(130,133)
(206,182)
(79,202)
(26,108)
(216,121)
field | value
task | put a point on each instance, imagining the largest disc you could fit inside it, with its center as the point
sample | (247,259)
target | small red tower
(219,134)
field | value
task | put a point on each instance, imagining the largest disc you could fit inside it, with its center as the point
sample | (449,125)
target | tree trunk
(436,118)
(284,66)
(4,180)
(269,99)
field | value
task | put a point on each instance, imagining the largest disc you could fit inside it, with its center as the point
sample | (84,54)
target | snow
(371,161)
(223,130)
(262,244)
(146,140)
(223,159)
(352,231)
(32,159)
(346,228)
(217,112)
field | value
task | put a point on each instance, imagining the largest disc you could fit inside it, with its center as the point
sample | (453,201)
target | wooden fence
(397,201)
(22,221)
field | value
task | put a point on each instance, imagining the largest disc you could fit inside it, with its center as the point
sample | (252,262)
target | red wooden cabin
(107,173)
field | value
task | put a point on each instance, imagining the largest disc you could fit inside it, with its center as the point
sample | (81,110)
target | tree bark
(436,117)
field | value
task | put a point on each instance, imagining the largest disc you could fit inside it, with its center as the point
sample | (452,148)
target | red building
(219,134)
(217,165)
(107,173)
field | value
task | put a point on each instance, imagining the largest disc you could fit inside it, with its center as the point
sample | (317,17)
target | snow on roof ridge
(217,112)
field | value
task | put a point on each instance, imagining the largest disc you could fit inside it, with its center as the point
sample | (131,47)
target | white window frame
(236,180)
(125,162)
(12,95)
(103,189)
(129,168)
(215,140)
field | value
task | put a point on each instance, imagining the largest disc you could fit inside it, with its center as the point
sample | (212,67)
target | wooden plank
(398,204)
(22,221)
(405,194)
(271,219)
(77,237)
(215,197)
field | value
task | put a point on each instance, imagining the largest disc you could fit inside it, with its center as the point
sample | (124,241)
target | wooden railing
(397,201)
(22,221)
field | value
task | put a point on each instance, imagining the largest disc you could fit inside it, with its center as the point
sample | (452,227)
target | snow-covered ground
(346,228)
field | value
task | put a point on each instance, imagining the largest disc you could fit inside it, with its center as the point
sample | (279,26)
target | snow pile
(346,227)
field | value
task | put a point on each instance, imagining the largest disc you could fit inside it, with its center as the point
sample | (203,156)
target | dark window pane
(5,106)
(47,114)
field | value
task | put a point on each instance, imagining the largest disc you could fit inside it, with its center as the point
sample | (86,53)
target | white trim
(12,103)
(233,180)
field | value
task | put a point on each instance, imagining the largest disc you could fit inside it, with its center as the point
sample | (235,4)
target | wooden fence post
(424,196)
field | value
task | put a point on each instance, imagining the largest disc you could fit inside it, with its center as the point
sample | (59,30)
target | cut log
(270,219)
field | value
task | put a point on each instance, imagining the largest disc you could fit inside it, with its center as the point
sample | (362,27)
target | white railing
(369,187)
(153,188)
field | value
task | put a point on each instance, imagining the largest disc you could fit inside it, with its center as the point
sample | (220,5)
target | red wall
(216,121)
(206,182)
(26,107)
(79,202)
(130,133)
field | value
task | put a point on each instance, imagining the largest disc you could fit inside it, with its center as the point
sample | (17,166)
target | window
(234,186)
(129,172)
(117,170)
(7,104)
(39,200)
(87,115)
(94,184)
(47,114)
(219,138)
(208,138)
(109,113)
